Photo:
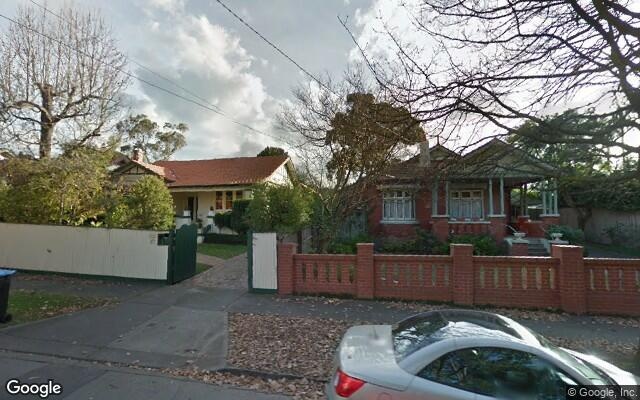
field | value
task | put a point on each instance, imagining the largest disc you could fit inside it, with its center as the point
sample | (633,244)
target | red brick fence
(565,281)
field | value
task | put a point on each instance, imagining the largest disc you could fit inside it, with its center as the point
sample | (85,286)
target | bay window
(398,206)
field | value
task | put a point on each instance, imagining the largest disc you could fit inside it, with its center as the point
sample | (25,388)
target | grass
(25,306)
(224,251)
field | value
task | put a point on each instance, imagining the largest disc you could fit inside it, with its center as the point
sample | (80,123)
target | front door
(192,206)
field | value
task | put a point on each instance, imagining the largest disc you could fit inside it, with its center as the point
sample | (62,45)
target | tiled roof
(220,171)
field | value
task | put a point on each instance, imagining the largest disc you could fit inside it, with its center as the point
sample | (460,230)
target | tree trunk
(47,125)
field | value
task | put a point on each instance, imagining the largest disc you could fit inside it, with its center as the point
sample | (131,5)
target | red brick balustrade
(565,281)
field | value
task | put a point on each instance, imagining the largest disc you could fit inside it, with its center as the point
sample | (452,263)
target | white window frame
(470,199)
(394,207)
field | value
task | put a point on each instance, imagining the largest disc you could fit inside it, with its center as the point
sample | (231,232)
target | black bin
(5,283)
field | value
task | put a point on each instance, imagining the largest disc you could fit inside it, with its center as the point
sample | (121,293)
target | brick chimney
(425,157)
(138,155)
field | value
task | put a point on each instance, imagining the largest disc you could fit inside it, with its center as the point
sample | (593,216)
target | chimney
(138,155)
(425,157)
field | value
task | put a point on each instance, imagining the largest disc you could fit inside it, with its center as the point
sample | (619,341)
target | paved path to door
(228,274)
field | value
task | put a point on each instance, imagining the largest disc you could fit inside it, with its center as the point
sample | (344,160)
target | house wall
(79,250)
(424,212)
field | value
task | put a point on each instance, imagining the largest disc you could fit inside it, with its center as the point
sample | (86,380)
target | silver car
(461,355)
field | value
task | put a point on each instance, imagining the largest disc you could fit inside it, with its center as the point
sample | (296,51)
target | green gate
(182,253)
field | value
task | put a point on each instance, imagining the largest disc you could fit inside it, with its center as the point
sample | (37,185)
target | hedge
(224,239)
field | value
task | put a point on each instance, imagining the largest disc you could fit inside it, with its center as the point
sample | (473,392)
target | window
(239,195)
(229,200)
(218,200)
(465,204)
(398,206)
(501,373)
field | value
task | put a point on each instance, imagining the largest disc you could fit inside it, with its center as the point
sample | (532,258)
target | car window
(500,373)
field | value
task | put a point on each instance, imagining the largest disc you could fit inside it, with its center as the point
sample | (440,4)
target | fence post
(572,279)
(285,270)
(364,271)
(463,279)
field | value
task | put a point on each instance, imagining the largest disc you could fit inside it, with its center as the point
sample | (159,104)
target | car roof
(434,326)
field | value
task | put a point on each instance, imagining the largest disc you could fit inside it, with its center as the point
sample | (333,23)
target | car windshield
(588,370)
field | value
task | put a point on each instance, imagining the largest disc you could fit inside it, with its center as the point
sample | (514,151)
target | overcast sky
(201,46)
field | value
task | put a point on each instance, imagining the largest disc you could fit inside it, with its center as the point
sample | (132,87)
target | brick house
(201,188)
(449,193)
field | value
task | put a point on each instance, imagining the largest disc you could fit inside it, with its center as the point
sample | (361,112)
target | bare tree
(488,66)
(60,80)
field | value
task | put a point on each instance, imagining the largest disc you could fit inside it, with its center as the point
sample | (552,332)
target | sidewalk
(82,381)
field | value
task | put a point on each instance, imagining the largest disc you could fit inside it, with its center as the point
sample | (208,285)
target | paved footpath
(87,381)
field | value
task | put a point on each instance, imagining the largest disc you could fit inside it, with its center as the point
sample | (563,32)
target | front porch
(483,206)
(199,205)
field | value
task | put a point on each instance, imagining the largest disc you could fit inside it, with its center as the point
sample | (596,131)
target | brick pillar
(441,227)
(286,272)
(364,271)
(498,227)
(571,279)
(462,276)
(550,219)
(519,248)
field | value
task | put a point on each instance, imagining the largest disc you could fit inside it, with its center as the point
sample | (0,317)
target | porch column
(555,198)
(501,195)
(446,198)
(490,196)
(434,199)
(543,193)
(525,209)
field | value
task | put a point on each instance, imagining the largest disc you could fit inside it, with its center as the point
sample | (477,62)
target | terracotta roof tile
(220,171)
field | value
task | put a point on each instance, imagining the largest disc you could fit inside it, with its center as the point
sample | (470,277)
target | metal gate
(182,253)
(263,273)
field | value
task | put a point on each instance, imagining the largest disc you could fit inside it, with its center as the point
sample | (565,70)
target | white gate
(264,274)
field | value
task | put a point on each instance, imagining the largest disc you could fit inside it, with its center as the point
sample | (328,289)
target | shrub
(222,220)
(574,236)
(279,208)
(348,245)
(483,245)
(147,204)
(224,239)
(238,217)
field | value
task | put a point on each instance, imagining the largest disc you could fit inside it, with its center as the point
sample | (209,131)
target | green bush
(279,208)
(348,245)
(574,236)
(222,220)
(238,219)
(147,204)
(483,245)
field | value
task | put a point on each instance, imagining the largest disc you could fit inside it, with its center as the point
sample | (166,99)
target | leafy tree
(278,208)
(61,80)
(589,176)
(158,143)
(147,204)
(273,151)
(69,189)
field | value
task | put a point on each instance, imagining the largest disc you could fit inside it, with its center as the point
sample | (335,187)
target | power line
(276,48)
(134,76)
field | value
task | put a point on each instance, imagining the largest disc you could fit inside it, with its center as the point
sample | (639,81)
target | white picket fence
(79,250)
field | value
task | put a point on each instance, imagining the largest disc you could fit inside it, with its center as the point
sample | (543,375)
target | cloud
(208,60)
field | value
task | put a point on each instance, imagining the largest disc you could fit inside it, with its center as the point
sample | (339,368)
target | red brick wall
(565,281)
